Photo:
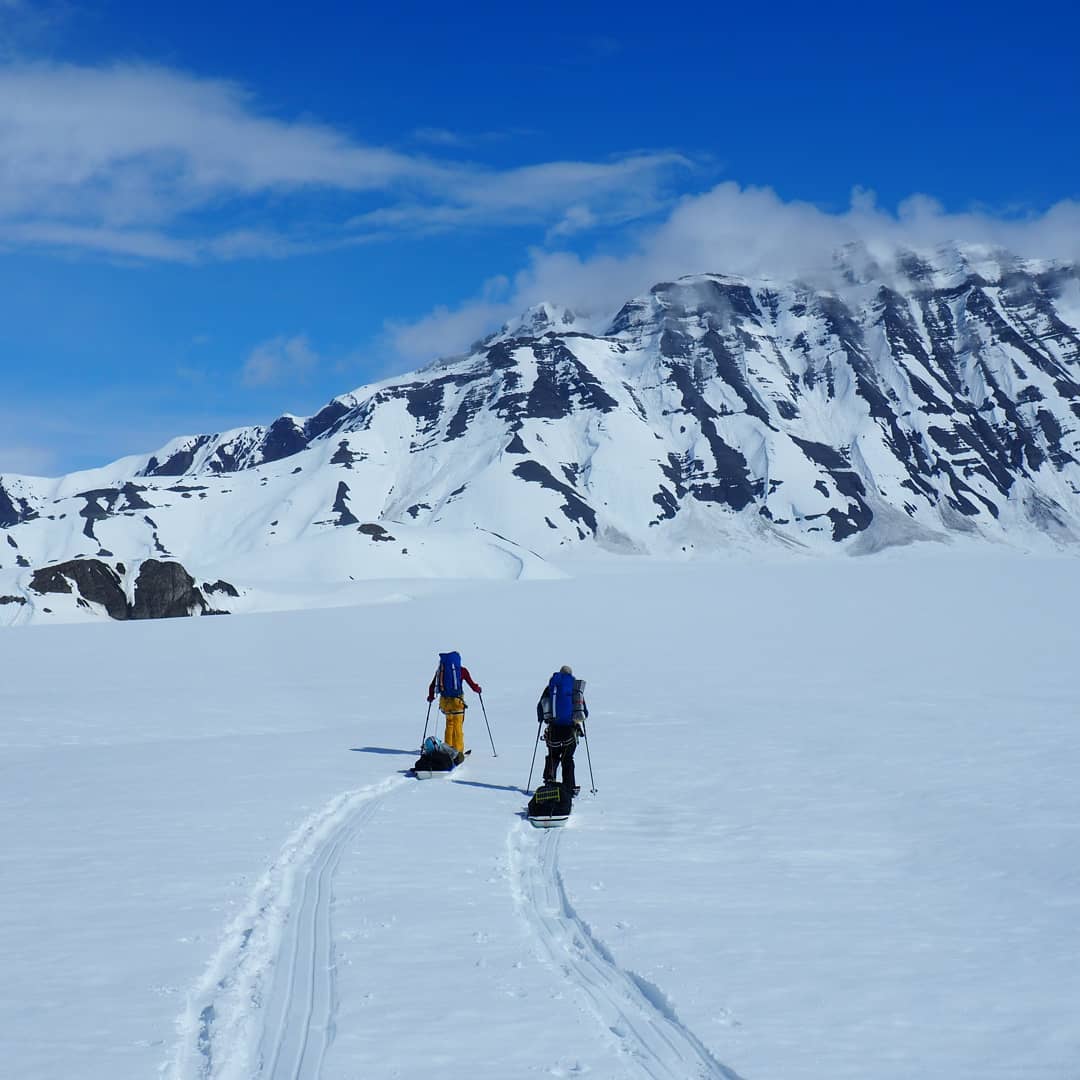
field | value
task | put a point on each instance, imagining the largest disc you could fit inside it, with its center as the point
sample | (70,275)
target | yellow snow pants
(454,710)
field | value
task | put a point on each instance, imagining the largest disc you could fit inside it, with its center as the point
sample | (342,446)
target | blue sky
(213,213)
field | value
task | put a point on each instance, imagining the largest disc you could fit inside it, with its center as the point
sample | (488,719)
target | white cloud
(281,359)
(572,194)
(136,243)
(445,331)
(125,159)
(735,230)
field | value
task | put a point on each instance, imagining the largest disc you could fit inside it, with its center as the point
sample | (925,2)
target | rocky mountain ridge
(935,398)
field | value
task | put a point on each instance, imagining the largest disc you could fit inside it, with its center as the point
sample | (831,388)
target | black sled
(437,763)
(550,806)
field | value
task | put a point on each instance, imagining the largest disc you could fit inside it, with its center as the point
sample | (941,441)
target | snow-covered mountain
(915,400)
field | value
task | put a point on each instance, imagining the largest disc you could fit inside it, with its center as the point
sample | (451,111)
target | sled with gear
(550,805)
(437,759)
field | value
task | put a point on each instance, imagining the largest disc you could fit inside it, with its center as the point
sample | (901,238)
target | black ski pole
(426,721)
(528,786)
(482,706)
(589,758)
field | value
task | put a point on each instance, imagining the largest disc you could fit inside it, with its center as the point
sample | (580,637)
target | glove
(479,689)
(430,698)
(579,729)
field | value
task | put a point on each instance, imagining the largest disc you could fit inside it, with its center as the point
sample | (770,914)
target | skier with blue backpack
(449,680)
(562,707)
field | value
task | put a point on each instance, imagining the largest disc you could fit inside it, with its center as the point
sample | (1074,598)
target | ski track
(265,1006)
(634,1010)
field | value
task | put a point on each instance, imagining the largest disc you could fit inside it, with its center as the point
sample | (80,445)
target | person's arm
(469,679)
(540,707)
(431,687)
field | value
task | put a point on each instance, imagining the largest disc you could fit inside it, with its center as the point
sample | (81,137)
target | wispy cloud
(562,193)
(136,243)
(147,161)
(26,460)
(281,359)
(24,23)
(443,331)
(735,230)
(444,137)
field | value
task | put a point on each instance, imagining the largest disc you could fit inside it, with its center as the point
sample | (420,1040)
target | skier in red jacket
(448,680)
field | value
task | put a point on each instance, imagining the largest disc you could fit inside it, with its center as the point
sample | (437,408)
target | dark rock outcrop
(341,506)
(220,586)
(93,580)
(163,590)
(14,510)
(376,532)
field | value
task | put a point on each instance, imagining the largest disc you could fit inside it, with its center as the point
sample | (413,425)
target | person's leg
(454,709)
(445,708)
(551,763)
(455,728)
(568,765)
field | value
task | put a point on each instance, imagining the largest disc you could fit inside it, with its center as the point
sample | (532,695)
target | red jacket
(464,674)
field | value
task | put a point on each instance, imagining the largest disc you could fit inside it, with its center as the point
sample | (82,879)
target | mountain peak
(540,319)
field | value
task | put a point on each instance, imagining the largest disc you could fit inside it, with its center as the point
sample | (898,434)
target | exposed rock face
(14,509)
(220,586)
(163,590)
(341,506)
(376,532)
(93,580)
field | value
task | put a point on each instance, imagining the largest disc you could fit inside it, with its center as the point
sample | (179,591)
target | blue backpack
(448,677)
(561,689)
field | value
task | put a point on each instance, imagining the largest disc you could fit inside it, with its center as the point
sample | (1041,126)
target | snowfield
(836,834)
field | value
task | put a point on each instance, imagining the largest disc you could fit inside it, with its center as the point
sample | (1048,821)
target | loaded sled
(437,759)
(550,805)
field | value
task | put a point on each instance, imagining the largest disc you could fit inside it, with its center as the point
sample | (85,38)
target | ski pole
(481,697)
(426,720)
(528,786)
(589,757)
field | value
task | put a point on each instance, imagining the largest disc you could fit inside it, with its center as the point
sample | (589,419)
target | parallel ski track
(265,1007)
(298,1025)
(631,1008)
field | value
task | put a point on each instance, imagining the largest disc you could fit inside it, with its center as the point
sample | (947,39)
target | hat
(566,670)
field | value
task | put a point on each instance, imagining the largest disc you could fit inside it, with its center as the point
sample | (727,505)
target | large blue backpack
(448,677)
(561,689)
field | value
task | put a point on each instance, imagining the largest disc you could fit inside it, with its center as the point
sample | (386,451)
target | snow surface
(836,833)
